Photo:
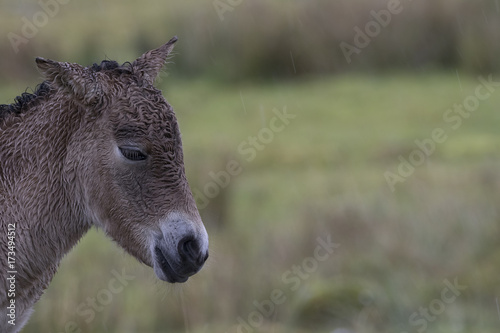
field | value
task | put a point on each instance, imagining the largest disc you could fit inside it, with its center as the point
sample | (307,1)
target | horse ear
(148,65)
(79,80)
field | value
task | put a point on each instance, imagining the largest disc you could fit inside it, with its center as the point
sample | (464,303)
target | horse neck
(37,192)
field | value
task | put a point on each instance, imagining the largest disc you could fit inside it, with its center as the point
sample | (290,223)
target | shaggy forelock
(25,100)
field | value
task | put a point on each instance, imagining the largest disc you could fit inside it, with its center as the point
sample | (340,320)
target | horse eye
(133,154)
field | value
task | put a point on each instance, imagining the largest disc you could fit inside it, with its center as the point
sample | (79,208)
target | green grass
(322,175)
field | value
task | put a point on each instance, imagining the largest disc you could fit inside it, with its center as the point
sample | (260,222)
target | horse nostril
(188,248)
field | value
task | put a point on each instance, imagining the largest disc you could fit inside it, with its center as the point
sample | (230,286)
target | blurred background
(371,204)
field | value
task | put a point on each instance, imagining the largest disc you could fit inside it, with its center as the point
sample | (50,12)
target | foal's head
(127,158)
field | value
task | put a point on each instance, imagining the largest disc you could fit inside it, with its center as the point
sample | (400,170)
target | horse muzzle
(180,249)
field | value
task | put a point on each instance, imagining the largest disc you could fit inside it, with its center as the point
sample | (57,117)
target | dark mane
(26,99)
(111,65)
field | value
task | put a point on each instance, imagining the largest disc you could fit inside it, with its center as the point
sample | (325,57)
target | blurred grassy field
(256,39)
(322,175)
